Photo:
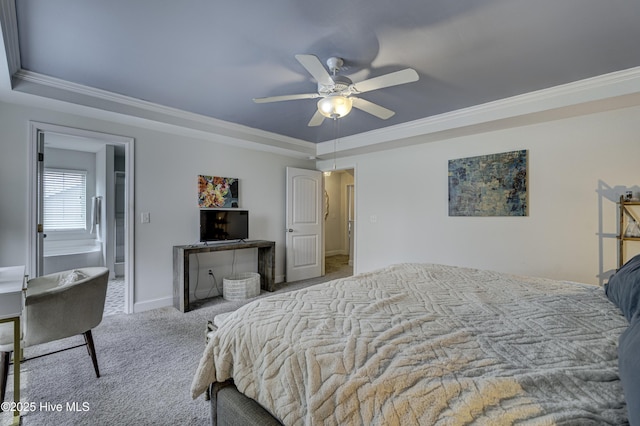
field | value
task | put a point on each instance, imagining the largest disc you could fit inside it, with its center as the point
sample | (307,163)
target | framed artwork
(217,192)
(489,185)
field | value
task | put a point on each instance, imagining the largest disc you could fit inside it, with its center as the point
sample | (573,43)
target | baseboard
(168,301)
(335,252)
(152,304)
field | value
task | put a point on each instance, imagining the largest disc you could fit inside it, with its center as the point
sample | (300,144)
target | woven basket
(241,286)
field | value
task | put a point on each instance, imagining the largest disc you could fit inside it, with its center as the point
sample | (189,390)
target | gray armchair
(58,306)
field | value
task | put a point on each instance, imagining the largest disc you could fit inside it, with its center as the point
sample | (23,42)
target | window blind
(65,199)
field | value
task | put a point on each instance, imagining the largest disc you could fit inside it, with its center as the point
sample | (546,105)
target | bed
(425,344)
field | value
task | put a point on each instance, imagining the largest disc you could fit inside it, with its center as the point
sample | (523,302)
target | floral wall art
(217,192)
(489,185)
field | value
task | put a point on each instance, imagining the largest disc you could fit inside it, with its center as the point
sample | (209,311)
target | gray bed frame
(231,408)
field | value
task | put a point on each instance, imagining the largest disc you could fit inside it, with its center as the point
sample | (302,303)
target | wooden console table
(266,266)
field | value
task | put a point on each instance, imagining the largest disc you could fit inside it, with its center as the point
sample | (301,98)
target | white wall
(166,170)
(577,169)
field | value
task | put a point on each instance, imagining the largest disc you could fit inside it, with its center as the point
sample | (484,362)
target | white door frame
(128,144)
(351,166)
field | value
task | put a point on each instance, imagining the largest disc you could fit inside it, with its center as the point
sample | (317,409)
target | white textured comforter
(426,345)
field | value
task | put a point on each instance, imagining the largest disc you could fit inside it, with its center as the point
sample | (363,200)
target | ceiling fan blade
(316,120)
(312,64)
(371,108)
(286,98)
(393,79)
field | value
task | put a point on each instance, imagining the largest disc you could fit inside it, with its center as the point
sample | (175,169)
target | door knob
(290,230)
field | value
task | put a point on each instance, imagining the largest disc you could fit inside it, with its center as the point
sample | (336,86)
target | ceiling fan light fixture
(335,106)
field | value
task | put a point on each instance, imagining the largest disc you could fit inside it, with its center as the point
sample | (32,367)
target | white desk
(12,284)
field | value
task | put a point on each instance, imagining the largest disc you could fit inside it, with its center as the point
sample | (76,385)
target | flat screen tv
(222,225)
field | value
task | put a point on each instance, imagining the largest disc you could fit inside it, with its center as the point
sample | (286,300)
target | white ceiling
(211,58)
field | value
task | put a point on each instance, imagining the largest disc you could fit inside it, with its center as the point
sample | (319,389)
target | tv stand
(266,266)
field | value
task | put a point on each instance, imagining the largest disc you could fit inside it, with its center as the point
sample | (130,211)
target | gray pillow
(623,288)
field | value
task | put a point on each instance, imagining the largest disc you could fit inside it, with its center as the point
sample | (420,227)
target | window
(65,199)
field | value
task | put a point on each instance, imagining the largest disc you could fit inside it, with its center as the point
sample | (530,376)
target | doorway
(340,223)
(107,163)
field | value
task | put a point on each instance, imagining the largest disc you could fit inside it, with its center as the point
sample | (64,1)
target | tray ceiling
(213,58)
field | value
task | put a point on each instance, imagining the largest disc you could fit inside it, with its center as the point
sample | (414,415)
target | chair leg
(92,351)
(5,358)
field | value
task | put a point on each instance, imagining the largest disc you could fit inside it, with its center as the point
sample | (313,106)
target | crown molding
(153,115)
(609,91)
(590,95)
(33,89)
(9,26)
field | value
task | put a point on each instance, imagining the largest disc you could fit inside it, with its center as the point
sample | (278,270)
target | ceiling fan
(336,91)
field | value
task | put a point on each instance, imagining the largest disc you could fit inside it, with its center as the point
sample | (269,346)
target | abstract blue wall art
(489,185)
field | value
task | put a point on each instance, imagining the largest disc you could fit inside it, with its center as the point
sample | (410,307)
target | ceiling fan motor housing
(341,84)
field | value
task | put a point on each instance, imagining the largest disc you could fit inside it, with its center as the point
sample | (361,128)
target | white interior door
(305,241)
